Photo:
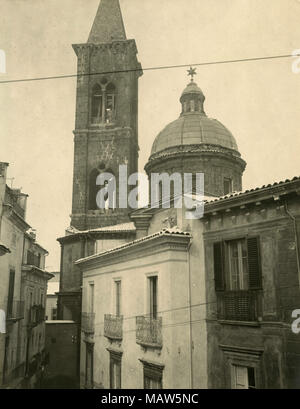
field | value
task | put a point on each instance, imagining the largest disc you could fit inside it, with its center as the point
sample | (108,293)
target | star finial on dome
(192,72)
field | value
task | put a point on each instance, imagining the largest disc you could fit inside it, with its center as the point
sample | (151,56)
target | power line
(132,317)
(163,67)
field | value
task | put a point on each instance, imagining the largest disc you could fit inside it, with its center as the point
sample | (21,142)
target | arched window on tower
(110,103)
(93,189)
(97,104)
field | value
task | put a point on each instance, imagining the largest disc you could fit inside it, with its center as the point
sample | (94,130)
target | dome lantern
(192,98)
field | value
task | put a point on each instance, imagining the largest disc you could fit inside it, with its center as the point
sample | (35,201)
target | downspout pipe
(293,218)
(190,313)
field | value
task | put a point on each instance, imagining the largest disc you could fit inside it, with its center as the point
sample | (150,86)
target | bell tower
(106,128)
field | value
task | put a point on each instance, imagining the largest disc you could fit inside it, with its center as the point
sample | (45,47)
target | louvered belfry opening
(238,283)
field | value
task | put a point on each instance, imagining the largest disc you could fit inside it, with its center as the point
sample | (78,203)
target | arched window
(103,103)
(97,104)
(110,102)
(93,189)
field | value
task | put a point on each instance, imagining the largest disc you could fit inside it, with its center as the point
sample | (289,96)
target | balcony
(149,331)
(113,326)
(33,259)
(242,305)
(15,311)
(36,315)
(88,322)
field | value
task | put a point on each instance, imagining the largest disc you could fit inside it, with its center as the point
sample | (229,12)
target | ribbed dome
(193,129)
(192,88)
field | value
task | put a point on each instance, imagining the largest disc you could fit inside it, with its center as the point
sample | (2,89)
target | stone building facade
(22,292)
(249,313)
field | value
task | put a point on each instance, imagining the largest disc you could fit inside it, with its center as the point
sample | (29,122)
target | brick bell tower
(106,130)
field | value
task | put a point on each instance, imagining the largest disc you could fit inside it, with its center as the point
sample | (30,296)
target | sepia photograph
(149,197)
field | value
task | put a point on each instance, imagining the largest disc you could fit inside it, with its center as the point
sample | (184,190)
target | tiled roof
(116,228)
(175,231)
(123,227)
(249,191)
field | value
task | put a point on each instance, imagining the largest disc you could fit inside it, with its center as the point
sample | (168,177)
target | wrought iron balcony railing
(88,322)
(149,331)
(113,326)
(242,305)
(15,310)
(36,315)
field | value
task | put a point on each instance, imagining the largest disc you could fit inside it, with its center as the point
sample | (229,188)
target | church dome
(193,127)
(195,143)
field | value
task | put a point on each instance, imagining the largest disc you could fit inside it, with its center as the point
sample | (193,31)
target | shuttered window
(153,296)
(254,264)
(219,266)
(153,376)
(118,297)
(237,265)
(11,289)
(243,377)
(115,369)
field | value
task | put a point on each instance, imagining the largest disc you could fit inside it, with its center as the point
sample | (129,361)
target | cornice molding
(155,243)
(116,46)
(11,214)
(194,150)
(271,193)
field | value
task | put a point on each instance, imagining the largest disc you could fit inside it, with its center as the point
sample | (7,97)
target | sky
(257,101)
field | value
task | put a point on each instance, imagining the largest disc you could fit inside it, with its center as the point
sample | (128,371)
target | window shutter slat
(219,266)
(254,263)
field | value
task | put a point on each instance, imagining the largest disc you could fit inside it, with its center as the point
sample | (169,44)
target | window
(110,103)
(153,375)
(237,272)
(243,377)
(93,189)
(89,366)
(91,297)
(237,264)
(153,296)
(115,369)
(227,186)
(97,105)
(103,103)
(54,314)
(10,297)
(108,188)
(118,297)
(237,269)
(6,358)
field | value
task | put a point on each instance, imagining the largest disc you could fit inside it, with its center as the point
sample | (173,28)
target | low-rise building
(203,303)
(34,291)
(23,288)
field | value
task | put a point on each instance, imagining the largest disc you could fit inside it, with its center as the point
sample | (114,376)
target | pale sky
(258,101)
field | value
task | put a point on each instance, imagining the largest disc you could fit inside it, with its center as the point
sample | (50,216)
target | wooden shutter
(219,266)
(254,263)
(10,297)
